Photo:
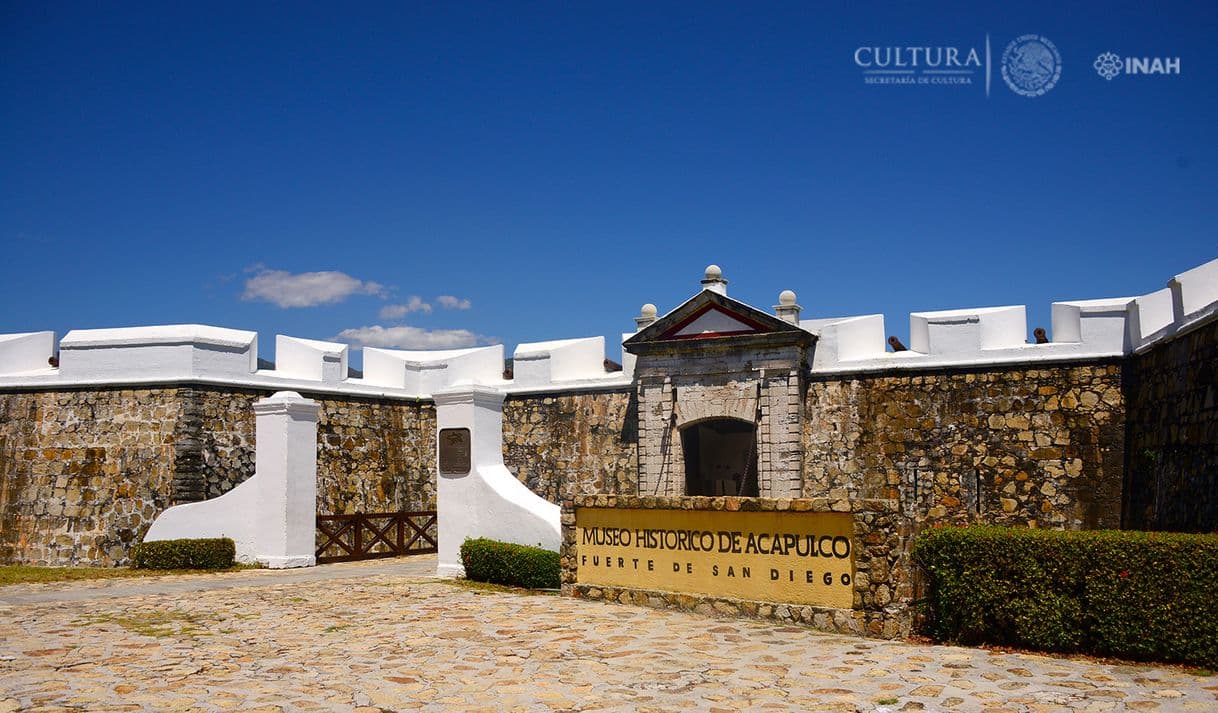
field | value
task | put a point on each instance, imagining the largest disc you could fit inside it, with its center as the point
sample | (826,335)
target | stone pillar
(286,466)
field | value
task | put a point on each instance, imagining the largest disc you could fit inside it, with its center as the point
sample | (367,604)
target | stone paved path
(383,636)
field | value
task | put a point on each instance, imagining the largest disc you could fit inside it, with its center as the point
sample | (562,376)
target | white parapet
(1103,324)
(628,360)
(309,359)
(1195,293)
(846,339)
(28,352)
(271,516)
(1151,316)
(476,495)
(965,331)
(178,351)
(541,363)
(425,372)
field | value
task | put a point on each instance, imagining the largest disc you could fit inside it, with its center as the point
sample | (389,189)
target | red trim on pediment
(754,325)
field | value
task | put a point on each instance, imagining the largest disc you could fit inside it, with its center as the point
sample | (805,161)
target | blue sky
(548,167)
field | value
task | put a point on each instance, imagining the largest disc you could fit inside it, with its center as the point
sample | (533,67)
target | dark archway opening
(720,457)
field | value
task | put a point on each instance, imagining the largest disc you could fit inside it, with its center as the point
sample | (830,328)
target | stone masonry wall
(83,473)
(567,444)
(1001,445)
(1172,460)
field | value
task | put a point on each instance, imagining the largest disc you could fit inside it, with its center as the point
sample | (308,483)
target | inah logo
(1031,65)
(1111,64)
(1108,65)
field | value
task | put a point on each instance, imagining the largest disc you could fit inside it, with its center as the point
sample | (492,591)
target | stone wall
(1003,445)
(883,590)
(1172,461)
(566,444)
(83,473)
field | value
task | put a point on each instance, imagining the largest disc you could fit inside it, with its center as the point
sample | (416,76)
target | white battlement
(967,331)
(192,353)
(310,359)
(426,372)
(179,351)
(561,361)
(1081,329)
(28,353)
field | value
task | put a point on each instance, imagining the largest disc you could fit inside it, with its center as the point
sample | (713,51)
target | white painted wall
(310,359)
(1152,316)
(28,352)
(1195,292)
(425,372)
(181,351)
(272,516)
(488,501)
(538,363)
(964,331)
(970,337)
(1103,324)
(846,339)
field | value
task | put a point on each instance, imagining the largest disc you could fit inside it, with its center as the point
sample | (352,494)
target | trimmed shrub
(211,553)
(1135,595)
(506,563)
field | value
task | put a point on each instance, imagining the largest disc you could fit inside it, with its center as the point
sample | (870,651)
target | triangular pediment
(710,315)
(713,321)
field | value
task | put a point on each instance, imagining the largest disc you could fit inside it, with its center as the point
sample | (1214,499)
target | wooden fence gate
(343,538)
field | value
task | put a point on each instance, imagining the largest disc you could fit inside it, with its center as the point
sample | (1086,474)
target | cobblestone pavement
(370,636)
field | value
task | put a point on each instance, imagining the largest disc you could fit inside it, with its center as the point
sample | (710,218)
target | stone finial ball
(786,297)
(648,310)
(713,272)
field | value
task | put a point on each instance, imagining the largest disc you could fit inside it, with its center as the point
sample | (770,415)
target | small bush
(213,553)
(506,563)
(1135,595)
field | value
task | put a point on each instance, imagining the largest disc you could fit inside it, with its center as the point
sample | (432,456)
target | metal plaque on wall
(454,451)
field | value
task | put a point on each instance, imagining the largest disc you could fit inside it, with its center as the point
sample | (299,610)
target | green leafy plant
(506,563)
(211,553)
(1136,595)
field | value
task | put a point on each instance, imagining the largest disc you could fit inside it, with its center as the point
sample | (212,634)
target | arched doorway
(720,457)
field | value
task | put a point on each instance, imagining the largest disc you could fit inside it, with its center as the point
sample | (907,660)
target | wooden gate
(343,538)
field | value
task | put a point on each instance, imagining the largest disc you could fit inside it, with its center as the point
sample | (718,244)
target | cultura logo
(1108,65)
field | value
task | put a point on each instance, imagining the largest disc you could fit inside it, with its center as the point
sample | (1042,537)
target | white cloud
(450,302)
(306,289)
(405,337)
(414,304)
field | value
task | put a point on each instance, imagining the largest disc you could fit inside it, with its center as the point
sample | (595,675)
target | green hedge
(506,563)
(1135,595)
(215,553)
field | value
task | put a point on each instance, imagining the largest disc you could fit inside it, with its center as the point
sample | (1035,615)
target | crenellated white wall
(426,372)
(194,353)
(998,335)
(967,331)
(180,351)
(27,353)
(297,358)
(541,363)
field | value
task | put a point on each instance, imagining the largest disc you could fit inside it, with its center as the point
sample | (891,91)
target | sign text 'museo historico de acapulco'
(790,557)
